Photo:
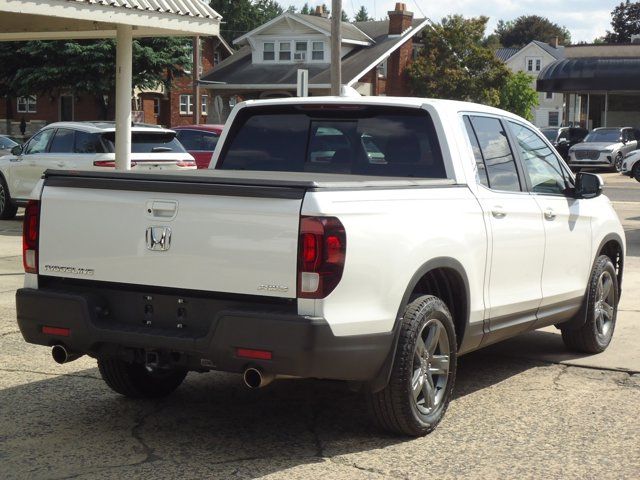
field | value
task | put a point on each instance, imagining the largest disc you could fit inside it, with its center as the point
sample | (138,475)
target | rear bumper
(301,346)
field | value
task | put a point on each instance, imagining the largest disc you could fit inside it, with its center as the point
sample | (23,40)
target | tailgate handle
(162,209)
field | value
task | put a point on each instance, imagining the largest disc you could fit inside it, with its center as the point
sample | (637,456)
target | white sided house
(374,57)
(532,59)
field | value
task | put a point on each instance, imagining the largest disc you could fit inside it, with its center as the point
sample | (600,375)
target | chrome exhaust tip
(61,355)
(256,378)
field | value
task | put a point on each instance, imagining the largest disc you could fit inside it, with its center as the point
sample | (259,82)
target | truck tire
(134,380)
(7,209)
(424,371)
(602,308)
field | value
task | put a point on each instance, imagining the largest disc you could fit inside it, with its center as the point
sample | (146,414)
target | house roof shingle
(239,69)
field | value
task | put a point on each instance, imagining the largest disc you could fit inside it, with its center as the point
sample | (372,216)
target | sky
(585,19)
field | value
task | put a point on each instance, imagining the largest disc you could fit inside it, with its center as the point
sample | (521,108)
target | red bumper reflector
(59,331)
(255,354)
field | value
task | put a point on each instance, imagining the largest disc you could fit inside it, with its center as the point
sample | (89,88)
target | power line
(419,8)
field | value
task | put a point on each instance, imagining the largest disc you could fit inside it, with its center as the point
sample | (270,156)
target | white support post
(606,108)
(124,73)
(336,44)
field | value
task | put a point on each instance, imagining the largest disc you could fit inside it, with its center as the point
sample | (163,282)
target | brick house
(374,57)
(159,107)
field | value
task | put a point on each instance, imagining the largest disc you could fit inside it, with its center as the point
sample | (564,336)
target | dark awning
(590,74)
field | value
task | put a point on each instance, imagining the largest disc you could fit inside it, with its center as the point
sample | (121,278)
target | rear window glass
(395,142)
(161,142)
(197,140)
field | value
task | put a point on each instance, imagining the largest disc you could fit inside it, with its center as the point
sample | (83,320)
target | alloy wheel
(604,309)
(430,366)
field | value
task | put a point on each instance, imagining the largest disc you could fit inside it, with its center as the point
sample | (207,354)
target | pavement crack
(6,334)
(21,370)
(354,465)
(556,380)
(136,434)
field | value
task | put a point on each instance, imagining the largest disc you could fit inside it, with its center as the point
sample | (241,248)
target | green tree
(242,16)
(87,67)
(362,15)
(454,64)
(524,29)
(345,17)
(306,9)
(518,96)
(625,21)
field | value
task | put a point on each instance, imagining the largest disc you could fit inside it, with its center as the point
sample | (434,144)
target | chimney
(399,19)
(399,22)
(556,41)
(321,12)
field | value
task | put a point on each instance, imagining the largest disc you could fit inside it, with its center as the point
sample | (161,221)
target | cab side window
(497,155)
(541,165)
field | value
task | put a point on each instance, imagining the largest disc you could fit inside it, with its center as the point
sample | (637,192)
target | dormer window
(318,51)
(285,51)
(269,52)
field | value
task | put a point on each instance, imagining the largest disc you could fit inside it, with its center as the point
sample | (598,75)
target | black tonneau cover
(242,178)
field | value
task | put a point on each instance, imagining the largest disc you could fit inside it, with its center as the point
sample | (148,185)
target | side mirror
(563,141)
(17,150)
(588,185)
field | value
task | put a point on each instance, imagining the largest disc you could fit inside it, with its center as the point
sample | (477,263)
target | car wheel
(602,308)
(617,163)
(136,380)
(7,208)
(424,371)
(635,171)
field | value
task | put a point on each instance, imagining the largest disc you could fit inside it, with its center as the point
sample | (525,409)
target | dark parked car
(564,138)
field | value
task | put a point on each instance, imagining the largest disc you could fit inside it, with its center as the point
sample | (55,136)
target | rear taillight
(186,163)
(108,163)
(30,232)
(321,253)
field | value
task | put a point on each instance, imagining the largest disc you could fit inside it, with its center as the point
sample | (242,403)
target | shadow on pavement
(73,424)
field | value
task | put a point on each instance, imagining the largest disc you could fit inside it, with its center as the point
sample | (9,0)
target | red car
(200,141)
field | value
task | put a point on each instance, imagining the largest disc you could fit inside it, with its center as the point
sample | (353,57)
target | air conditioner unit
(300,56)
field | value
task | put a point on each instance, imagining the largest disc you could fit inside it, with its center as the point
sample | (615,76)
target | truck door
(567,225)
(517,231)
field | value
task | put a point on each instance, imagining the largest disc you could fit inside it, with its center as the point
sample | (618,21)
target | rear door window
(497,155)
(87,143)
(483,177)
(361,140)
(62,141)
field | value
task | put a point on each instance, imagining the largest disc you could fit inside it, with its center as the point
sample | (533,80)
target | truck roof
(416,102)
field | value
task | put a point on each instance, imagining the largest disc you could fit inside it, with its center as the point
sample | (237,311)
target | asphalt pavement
(523,408)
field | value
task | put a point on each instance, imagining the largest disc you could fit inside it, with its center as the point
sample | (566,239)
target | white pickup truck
(370,240)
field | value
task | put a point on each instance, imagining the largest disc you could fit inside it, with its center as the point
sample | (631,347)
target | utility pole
(336,43)
(196,78)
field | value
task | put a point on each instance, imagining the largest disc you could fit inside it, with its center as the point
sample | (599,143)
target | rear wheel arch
(442,277)
(611,246)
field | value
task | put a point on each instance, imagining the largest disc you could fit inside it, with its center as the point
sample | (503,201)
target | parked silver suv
(604,148)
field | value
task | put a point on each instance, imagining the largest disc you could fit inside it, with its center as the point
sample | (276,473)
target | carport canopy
(23,20)
(590,74)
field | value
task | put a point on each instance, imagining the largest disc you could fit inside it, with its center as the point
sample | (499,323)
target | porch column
(606,108)
(124,73)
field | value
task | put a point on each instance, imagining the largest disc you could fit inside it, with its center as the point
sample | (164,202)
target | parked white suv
(419,231)
(83,146)
(631,165)
(604,148)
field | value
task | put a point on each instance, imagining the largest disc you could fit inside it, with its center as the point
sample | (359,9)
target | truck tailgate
(189,233)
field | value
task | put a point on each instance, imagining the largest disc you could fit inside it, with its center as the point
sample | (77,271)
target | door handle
(60,164)
(549,214)
(17,159)
(498,212)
